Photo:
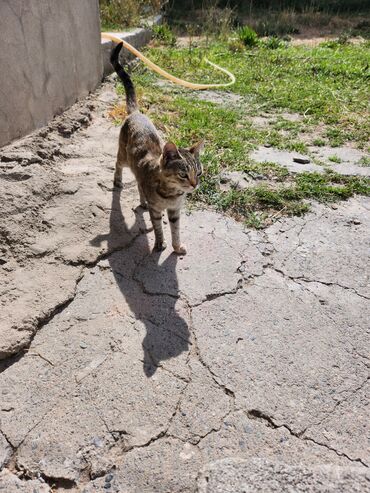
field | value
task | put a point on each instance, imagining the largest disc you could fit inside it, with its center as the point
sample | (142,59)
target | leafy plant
(247,36)
(235,45)
(273,43)
(164,34)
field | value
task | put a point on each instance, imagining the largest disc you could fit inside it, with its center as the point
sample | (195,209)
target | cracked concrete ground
(243,366)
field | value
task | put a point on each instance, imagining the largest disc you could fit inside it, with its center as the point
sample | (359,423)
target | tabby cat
(165,174)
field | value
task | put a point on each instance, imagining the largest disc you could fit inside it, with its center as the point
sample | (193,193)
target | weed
(255,220)
(336,43)
(364,161)
(335,159)
(164,35)
(273,43)
(235,45)
(276,24)
(247,36)
(116,14)
(215,21)
(318,142)
(118,113)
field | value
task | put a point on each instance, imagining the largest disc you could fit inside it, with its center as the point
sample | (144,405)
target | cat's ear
(196,149)
(170,151)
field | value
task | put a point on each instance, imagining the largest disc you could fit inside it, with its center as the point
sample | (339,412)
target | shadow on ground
(167,333)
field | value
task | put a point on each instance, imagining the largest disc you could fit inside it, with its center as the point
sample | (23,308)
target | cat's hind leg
(174,218)
(120,163)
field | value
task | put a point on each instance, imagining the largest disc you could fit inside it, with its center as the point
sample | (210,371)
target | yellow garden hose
(165,74)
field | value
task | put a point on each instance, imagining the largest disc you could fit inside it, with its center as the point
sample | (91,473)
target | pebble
(301,160)
(83,345)
(108,478)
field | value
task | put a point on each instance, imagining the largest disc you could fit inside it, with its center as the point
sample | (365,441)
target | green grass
(365,161)
(335,159)
(260,203)
(327,87)
(324,84)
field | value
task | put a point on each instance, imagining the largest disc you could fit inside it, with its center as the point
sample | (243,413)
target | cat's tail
(131,102)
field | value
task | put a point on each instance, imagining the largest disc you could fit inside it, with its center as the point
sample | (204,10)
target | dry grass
(118,14)
(118,112)
(306,24)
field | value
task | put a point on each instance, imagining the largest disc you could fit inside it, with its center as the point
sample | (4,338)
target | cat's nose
(193,182)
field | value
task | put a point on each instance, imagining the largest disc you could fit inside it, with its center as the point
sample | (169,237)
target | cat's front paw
(180,249)
(160,246)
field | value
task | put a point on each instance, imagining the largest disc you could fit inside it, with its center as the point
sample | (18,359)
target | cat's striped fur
(165,174)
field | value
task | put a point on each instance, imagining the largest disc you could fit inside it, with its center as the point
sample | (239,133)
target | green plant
(343,39)
(255,220)
(335,159)
(318,142)
(364,161)
(235,45)
(247,36)
(164,34)
(273,43)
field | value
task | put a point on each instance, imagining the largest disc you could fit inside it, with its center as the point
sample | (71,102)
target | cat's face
(181,168)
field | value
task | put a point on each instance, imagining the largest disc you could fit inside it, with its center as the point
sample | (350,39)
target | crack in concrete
(351,393)
(55,483)
(198,355)
(269,421)
(104,256)
(215,430)
(318,281)
(13,457)
(158,365)
(214,296)
(42,322)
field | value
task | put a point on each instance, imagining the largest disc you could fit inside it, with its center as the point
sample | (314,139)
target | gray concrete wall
(50,56)
(136,37)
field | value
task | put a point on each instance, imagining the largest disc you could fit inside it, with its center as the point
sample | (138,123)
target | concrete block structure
(50,55)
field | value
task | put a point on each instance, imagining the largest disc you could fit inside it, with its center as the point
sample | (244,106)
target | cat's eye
(183,174)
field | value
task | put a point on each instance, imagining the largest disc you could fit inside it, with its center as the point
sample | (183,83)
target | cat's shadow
(167,333)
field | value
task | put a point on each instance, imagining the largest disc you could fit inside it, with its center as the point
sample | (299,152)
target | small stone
(98,442)
(224,178)
(108,478)
(83,345)
(255,176)
(356,221)
(107,486)
(267,145)
(301,160)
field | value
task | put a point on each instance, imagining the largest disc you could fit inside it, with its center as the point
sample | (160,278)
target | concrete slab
(238,476)
(285,158)
(128,370)
(136,37)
